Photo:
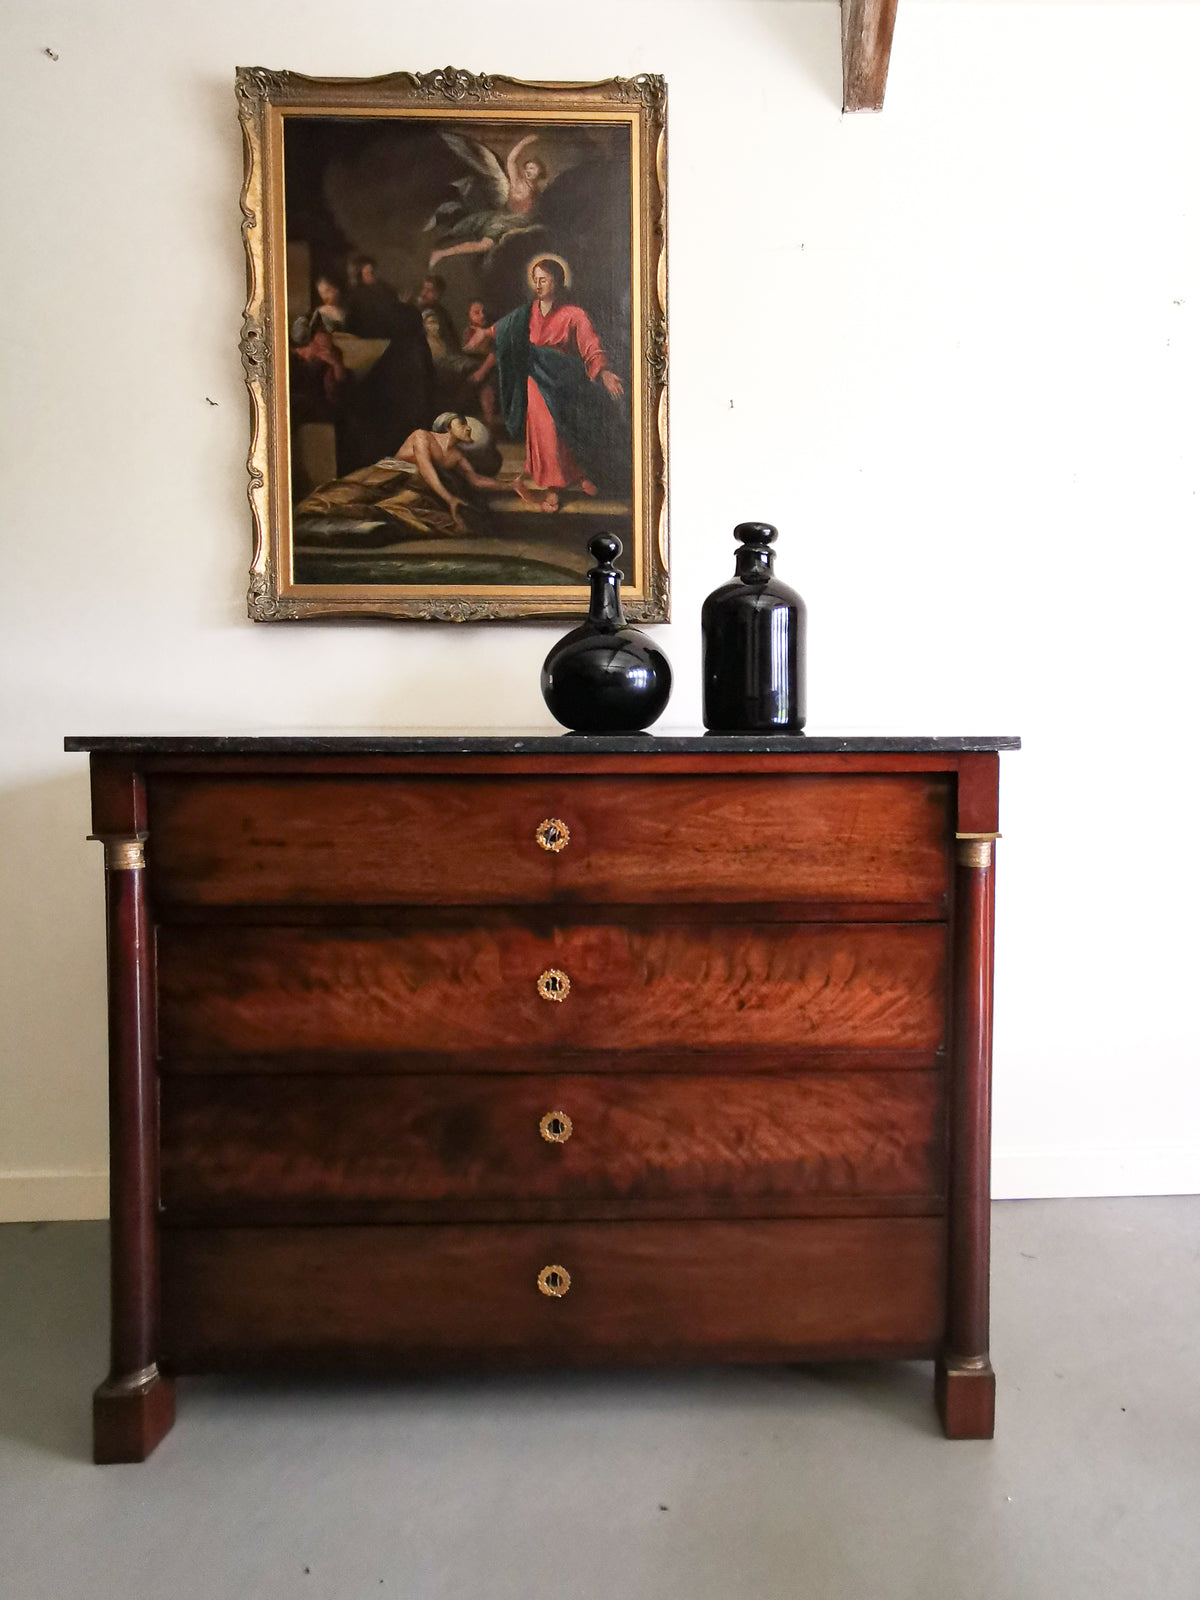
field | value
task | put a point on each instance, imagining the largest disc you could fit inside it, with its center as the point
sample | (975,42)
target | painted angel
(493,200)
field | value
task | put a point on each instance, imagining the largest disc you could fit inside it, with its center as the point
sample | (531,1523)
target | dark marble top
(506,742)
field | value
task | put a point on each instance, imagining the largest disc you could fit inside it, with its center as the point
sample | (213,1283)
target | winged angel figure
(492,201)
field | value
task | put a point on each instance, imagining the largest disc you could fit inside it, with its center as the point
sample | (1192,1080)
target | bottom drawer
(638,1292)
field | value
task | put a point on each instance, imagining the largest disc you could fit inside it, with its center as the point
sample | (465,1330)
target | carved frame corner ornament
(647,88)
(264,97)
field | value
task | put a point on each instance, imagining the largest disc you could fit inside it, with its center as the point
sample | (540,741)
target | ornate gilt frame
(264,98)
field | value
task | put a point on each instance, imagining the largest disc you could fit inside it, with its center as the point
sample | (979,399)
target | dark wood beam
(866,49)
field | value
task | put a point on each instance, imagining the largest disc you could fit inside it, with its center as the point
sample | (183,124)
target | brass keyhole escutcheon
(554,985)
(556,1127)
(553,835)
(554,1281)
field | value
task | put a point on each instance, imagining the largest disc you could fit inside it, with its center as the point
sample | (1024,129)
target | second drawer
(226,991)
(283,1148)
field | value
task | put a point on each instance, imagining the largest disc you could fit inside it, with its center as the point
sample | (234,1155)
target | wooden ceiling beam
(866,49)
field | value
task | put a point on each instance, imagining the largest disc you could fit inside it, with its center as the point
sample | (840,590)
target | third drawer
(315,1147)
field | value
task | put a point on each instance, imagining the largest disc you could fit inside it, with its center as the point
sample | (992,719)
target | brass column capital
(975,849)
(123,852)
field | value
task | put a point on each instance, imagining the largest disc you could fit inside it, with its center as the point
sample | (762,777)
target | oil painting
(455,343)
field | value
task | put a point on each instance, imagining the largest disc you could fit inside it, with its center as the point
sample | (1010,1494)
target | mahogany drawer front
(324,1148)
(262,990)
(838,840)
(638,1292)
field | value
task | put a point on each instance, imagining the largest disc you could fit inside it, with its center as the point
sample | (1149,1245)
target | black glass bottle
(604,676)
(753,641)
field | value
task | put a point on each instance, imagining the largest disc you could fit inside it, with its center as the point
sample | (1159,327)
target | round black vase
(604,676)
(753,641)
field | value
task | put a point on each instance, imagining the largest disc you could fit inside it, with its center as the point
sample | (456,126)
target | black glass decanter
(605,676)
(753,644)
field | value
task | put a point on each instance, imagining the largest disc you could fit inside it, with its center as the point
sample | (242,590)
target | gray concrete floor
(700,1484)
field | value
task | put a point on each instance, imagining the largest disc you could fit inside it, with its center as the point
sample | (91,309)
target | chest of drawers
(545,1051)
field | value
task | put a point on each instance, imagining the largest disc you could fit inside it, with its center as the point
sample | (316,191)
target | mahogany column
(966,1384)
(135,1405)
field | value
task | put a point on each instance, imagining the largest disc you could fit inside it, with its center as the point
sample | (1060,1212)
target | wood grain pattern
(279,989)
(640,1292)
(270,1146)
(867,28)
(278,841)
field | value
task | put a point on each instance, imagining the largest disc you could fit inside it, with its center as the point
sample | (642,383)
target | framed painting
(455,343)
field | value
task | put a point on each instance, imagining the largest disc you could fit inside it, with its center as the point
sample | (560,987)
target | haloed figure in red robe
(555,382)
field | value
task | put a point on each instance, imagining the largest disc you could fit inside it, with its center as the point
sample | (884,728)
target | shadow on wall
(52,1009)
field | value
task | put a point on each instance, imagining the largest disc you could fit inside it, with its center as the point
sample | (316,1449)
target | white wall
(951,350)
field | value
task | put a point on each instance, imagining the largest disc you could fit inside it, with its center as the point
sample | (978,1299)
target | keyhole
(552,834)
(554,985)
(556,1127)
(554,1281)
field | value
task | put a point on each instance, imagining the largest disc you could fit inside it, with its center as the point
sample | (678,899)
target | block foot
(966,1398)
(130,1415)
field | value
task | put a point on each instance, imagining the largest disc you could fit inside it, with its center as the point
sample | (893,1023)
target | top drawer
(832,840)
